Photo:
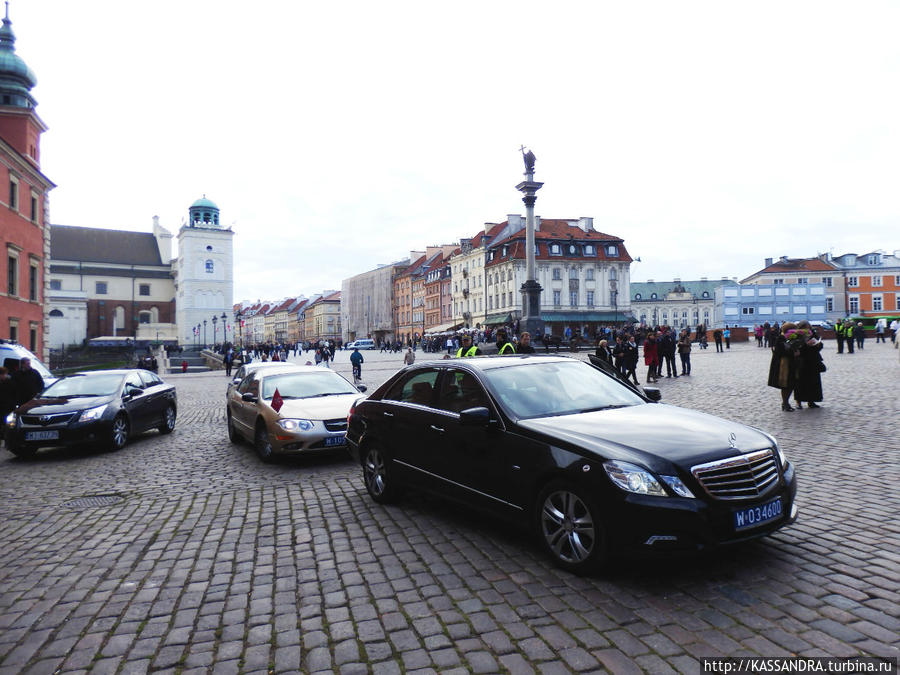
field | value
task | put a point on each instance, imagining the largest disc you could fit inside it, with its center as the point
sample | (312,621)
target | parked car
(102,407)
(308,414)
(593,466)
(252,367)
(12,352)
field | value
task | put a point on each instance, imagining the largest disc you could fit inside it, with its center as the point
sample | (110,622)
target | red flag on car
(277,401)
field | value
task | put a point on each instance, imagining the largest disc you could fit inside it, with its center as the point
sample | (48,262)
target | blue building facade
(747,305)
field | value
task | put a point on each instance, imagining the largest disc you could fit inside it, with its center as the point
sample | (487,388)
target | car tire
(377,476)
(570,528)
(168,424)
(233,434)
(118,434)
(262,444)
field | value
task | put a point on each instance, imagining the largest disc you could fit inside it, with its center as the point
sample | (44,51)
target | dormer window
(589,249)
(637,296)
(573,249)
(555,249)
(705,294)
(505,249)
(612,250)
(872,259)
(653,296)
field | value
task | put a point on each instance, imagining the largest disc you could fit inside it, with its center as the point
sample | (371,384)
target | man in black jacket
(27,381)
(7,398)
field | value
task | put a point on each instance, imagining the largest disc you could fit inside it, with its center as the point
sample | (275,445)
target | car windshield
(306,385)
(543,389)
(84,385)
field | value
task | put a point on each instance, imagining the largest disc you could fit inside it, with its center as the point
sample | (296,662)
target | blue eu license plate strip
(754,516)
(335,440)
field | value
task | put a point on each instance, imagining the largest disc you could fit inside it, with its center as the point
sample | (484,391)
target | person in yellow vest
(839,335)
(849,335)
(467,349)
(504,346)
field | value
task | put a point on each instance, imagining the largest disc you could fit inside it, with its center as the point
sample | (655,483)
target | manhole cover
(89,501)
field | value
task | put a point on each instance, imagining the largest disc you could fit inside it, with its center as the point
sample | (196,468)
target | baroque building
(678,303)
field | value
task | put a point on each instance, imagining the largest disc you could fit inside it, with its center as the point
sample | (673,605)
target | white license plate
(754,516)
(41,435)
(335,440)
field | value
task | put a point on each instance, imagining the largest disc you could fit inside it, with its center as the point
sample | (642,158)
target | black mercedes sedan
(595,467)
(102,407)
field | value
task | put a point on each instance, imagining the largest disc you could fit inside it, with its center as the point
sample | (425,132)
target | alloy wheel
(568,527)
(119,432)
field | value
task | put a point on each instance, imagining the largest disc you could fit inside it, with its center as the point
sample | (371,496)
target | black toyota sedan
(594,466)
(102,407)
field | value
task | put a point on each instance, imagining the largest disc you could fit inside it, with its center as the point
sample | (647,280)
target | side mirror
(131,391)
(653,393)
(475,417)
(236,380)
(250,398)
(362,388)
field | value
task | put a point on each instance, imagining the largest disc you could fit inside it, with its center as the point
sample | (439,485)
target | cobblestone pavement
(215,562)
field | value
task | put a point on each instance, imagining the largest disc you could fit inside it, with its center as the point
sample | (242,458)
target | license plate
(754,516)
(335,440)
(41,435)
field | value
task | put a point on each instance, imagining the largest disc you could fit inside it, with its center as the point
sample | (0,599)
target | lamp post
(224,318)
(215,320)
(531,289)
(238,316)
(614,295)
(204,333)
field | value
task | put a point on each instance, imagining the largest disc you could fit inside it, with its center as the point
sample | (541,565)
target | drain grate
(89,501)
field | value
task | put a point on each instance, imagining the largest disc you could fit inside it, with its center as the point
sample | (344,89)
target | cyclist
(357,360)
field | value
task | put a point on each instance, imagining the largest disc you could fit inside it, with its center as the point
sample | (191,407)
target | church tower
(204,277)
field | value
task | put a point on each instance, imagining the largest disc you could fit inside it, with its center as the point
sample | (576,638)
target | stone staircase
(196,362)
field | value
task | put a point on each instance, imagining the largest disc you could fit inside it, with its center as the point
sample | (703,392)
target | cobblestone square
(215,562)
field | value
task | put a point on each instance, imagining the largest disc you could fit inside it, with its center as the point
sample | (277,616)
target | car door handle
(436,428)
(387,414)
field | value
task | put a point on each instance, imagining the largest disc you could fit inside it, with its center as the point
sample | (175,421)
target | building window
(55,285)
(120,318)
(144,317)
(573,249)
(653,296)
(555,249)
(144,289)
(637,296)
(897,280)
(776,281)
(209,267)
(827,281)
(100,288)
(854,304)
(55,312)
(746,310)
(897,298)
(876,282)
(573,298)
(32,338)
(829,304)
(556,298)
(590,298)
(589,274)
(589,249)
(853,282)
(557,274)
(13,330)
(802,280)
(12,275)
(33,282)
(34,208)
(573,273)
(872,260)
(877,303)
(14,193)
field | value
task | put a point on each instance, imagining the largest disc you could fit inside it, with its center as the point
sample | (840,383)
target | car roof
(294,368)
(497,361)
(256,365)
(111,371)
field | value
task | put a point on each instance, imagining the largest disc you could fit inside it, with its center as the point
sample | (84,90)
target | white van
(364,343)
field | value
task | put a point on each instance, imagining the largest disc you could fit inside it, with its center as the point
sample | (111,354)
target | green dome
(204,203)
(16,78)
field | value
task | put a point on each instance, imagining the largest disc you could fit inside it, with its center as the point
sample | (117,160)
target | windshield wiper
(603,407)
(330,393)
(79,395)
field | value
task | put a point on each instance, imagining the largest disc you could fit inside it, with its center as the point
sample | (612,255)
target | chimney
(586,224)
(768,262)
(783,258)
(516,222)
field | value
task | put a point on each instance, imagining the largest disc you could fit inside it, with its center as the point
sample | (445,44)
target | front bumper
(317,439)
(677,524)
(71,434)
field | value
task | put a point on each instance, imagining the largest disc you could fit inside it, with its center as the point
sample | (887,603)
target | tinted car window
(417,387)
(461,391)
(85,385)
(149,379)
(244,386)
(134,380)
(540,389)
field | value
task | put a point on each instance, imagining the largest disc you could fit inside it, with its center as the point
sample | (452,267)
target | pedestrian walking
(409,358)
(860,334)
(717,336)
(684,351)
(651,357)
(880,327)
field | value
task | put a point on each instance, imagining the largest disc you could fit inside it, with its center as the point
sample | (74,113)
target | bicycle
(357,374)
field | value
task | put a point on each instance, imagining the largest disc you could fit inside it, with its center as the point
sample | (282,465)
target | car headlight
(679,488)
(295,425)
(782,460)
(632,478)
(92,414)
(11,419)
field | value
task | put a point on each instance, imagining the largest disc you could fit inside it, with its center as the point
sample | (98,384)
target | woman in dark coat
(782,369)
(810,365)
(651,357)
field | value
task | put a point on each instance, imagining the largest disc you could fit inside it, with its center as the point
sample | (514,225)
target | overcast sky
(335,136)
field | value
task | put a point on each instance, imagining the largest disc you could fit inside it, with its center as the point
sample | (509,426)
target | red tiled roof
(561,231)
(799,265)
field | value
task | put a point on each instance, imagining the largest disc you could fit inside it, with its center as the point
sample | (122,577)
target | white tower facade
(204,277)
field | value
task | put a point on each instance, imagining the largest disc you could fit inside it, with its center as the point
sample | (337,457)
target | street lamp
(613,294)
(238,316)
(215,320)
(224,318)
(204,333)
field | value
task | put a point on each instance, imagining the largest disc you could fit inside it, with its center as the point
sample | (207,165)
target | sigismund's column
(531,289)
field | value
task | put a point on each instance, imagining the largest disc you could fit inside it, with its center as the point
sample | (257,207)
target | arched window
(637,296)
(144,317)
(653,296)
(154,315)
(209,267)
(705,294)
(55,312)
